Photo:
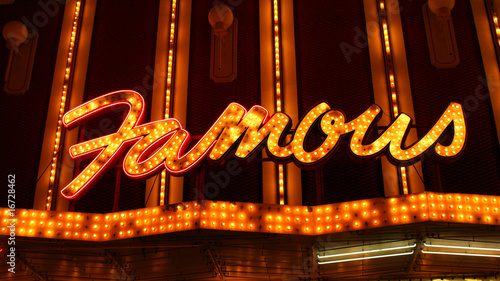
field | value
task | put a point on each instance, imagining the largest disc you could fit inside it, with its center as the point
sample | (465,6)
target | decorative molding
(20,67)
(443,50)
(7,2)
(487,46)
(223,55)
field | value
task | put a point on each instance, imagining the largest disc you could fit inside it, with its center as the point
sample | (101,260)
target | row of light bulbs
(62,106)
(496,26)
(392,84)
(253,217)
(278,93)
(169,88)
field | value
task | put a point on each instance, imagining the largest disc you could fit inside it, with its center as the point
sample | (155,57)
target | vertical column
(60,93)
(269,177)
(281,183)
(487,46)
(377,62)
(278,89)
(412,175)
(162,93)
(389,71)
(180,87)
(399,87)
(77,91)
(293,179)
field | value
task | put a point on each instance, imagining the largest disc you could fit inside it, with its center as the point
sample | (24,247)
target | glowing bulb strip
(277,52)
(461,254)
(461,247)
(368,258)
(279,104)
(395,110)
(404,180)
(497,28)
(168,93)
(368,251)
(253,217)
(170,66)
(64,97)
(281,182)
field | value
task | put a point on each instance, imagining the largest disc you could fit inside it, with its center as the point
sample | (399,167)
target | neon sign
(160,145)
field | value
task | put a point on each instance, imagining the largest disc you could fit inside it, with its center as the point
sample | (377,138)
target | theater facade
(250,140)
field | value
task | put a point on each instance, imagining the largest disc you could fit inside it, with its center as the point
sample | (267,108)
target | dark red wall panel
(24,116)
(477,171)
(121,57)
(333,65)
(207,100)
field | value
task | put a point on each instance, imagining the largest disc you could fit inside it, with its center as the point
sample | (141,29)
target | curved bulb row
(108,147)
(249,127)
(178,162)
(393,136)
(134,163)
(330,123)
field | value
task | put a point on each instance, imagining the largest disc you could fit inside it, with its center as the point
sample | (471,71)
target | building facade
(429,212)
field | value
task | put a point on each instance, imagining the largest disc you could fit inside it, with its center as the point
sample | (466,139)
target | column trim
(490,63)
(176,184)
(269,178)
(159,88)
(43,183)
(77,92)
(377,64)
(293,173)
(404,96)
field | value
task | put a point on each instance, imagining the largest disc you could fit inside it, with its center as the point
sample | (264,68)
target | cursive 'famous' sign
(161,144)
